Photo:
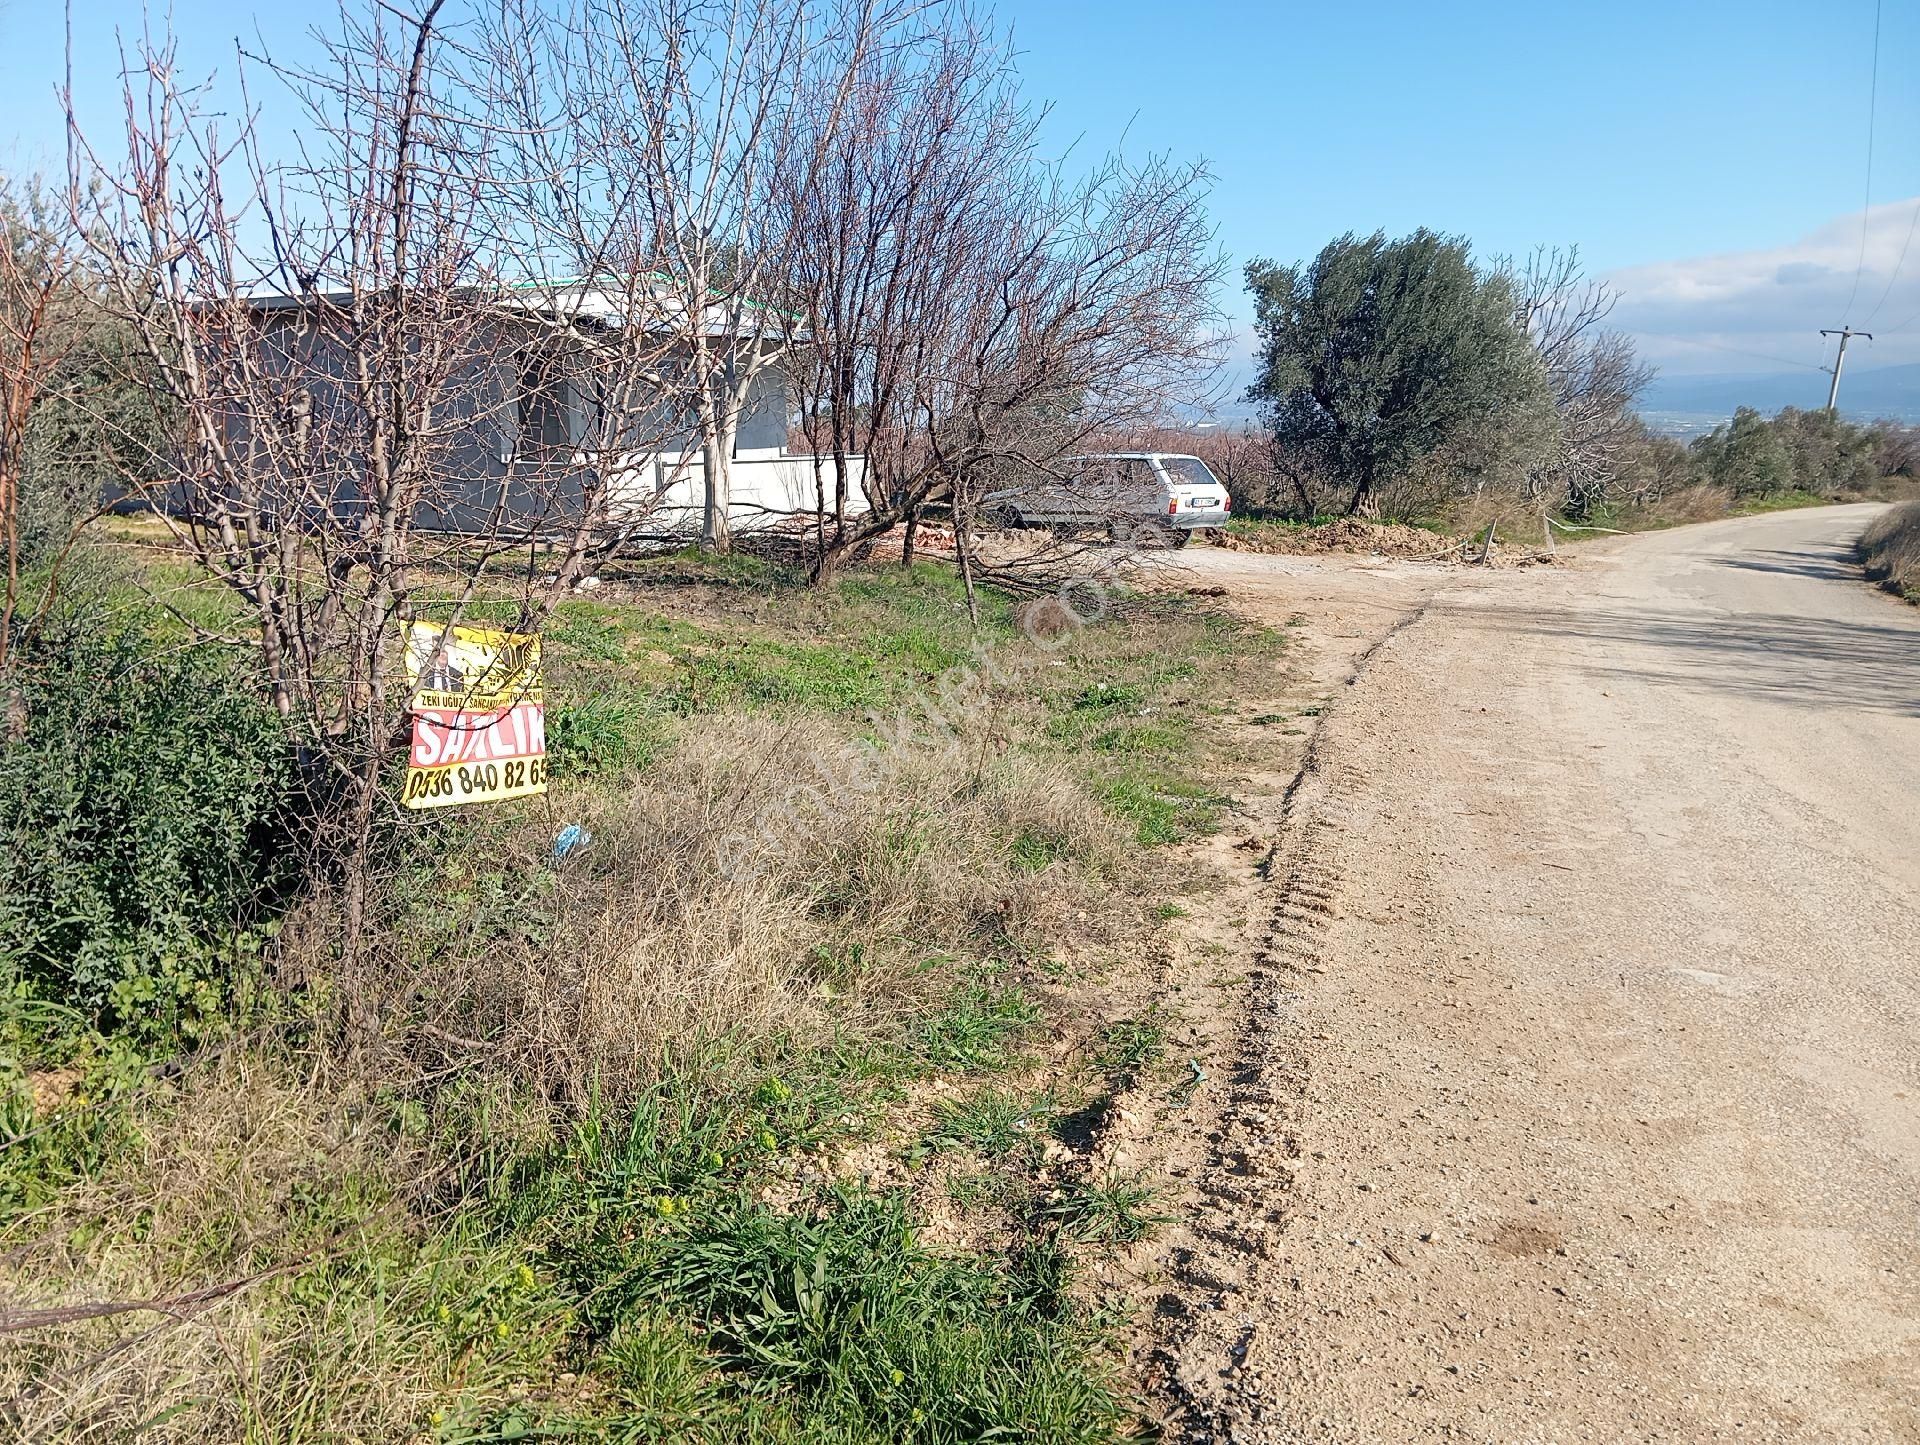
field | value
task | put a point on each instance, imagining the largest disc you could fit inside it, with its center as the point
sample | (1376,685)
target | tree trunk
(716,533)
(356,856)
(717,417)
(963,549)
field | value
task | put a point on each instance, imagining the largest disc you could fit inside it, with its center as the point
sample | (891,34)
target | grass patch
(616,730)
(1777,502)
(1032,851)
(557,1156)
(845,1321)
(1161,808)
(1129,1047)
(1114,1211)
(754,672)
(869,643)
(991,1122)
(1136,708)
(977,1027)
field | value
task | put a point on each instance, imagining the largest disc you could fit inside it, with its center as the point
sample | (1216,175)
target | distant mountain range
(1689,405)
(1685,405)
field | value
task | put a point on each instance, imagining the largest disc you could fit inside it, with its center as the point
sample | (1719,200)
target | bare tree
(704,112)
(1593,373)
(386,396)
(962,319)
(912,166)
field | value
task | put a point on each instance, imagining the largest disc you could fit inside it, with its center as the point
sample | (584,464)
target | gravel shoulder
(1567,1048)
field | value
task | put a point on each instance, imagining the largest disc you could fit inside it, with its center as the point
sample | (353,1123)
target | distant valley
(1689,405)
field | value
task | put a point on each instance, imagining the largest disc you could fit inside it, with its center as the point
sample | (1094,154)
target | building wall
(767,491)
(486,477)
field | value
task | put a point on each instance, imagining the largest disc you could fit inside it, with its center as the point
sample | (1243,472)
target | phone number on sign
(469,782)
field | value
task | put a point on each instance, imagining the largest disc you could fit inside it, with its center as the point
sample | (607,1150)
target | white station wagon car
(1133,495)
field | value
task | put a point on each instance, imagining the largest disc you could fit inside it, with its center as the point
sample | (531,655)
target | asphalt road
(1582,1066)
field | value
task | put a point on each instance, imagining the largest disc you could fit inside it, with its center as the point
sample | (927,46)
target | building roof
(608,302)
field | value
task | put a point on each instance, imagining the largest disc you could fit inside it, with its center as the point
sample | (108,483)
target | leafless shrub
(1897,449)
(697,118)
(371,441)
(965,318)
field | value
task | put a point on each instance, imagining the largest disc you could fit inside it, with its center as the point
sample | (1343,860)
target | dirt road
(1575,1088)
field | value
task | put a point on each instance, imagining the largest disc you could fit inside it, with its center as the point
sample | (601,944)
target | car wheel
(1181,536)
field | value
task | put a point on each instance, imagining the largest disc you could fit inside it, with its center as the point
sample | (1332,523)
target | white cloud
(1757,310)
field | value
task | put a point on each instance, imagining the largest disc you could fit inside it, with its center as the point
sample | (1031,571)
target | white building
(522,426)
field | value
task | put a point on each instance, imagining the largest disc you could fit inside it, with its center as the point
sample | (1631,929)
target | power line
(1903,325)
(1911,224)
(1866,209)
(1739,351)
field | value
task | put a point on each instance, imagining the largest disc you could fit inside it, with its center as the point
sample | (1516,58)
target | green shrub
(144,803)
(1804,451)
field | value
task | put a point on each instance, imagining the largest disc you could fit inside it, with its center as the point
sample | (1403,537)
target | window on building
(763,419)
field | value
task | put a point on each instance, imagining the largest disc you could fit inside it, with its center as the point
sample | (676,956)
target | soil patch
(1384,539)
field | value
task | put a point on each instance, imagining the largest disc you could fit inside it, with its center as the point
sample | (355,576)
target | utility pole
(1846,334)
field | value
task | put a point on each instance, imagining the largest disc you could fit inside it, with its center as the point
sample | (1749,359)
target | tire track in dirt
(1201,1360)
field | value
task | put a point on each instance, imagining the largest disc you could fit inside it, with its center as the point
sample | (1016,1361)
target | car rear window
(1188,472)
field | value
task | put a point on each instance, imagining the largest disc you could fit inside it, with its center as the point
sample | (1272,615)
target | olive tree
(1388,360)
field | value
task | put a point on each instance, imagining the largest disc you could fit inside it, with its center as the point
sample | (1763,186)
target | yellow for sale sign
(479,718)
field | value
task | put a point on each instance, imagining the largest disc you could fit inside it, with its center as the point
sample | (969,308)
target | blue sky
(1709,155)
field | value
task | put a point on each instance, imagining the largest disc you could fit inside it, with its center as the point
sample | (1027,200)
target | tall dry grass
(768,878)
(236,1177)
(1520,523)
(1890,550)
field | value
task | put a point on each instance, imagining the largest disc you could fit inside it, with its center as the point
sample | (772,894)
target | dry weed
(230,1185)
(1348,534)
(767,879)
(1701,502)
(1890,549)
